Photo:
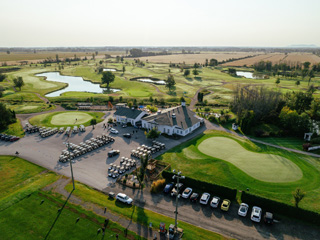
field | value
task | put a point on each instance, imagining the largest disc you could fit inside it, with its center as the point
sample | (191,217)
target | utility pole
(178,176)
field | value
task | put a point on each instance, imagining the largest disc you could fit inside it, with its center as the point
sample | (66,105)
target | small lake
(75,84)
(250,75)
(109,70)
(148,80)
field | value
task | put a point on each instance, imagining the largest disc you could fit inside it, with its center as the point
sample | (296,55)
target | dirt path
(59,187)
(157,89)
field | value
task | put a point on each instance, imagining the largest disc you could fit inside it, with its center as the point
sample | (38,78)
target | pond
(250,75)
(109,70)
(148,80)
(75,84)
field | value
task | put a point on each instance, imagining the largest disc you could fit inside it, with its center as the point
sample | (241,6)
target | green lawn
(30,107)
(138,214)
(15,129)
(24,216)
(65,119)
(193,163)
(264,167)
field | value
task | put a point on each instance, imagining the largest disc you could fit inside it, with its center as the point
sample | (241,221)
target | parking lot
(92,167)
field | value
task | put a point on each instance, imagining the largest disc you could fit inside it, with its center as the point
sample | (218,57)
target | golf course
(225,159)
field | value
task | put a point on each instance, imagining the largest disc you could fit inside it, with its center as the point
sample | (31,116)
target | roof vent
(159,112)
(173,115)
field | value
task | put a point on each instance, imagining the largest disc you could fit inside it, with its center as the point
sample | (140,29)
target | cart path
(59,187)
(194,100)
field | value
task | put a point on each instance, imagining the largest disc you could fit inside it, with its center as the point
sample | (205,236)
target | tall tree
(213,62)
(195,72)
(1,90)
(18,82)
(186,73)
(311,75)
(170,82)
(306,65)
(93,122)
(123,68)
(107,77)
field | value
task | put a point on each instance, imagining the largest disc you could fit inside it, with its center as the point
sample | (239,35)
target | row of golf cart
(75,129)
(46,132)
(84,147)
(125,165)
(144,150)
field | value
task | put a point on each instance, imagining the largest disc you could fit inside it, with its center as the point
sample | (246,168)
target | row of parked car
(8,138)
(187,193)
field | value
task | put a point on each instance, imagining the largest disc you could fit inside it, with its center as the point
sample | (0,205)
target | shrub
(124,181)
(157,186)
(281,208)
(215,189)
(110,120)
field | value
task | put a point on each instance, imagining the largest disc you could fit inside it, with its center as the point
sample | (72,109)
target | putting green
(264,167)
(69,118)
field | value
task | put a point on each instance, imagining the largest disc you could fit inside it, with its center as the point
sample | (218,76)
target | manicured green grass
(138,214)
(15,129)
(23,216)
(193,163)
(30,107)
(264,167)
(64,119)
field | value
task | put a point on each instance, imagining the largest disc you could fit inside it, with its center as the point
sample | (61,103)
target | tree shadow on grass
(198,79)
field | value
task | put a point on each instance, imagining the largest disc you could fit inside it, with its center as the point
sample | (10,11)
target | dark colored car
(127,135)
(113,153)
(194,197)
(7,138)
(268,218)
(14,138)
(3,136)
(168,188)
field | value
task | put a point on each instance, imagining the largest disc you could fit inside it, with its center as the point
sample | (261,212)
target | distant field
(197,58)
(15,57)
(291,58)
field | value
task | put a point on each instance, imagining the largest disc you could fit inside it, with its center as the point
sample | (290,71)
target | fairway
(264,167)
(70,118)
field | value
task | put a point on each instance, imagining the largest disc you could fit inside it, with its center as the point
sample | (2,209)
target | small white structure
(307,136)
(235,127)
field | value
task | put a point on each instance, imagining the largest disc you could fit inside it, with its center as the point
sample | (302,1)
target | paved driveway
(91,168)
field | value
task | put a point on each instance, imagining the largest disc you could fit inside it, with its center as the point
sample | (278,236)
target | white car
(256,214)
(187,192)
(243,209)
(114,131)
(124,198)
(205,198)
(215,202)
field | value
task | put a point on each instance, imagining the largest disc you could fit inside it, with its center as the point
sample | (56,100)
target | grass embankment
(66,119)
(195,164)
(15,129)
(23,215)
(138,214)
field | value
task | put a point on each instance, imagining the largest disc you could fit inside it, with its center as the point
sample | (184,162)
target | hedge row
(281,208)
(211,188)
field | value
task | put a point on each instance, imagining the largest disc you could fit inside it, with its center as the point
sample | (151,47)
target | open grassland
(137,214)
(276,58)
(197,58)
(264,167)
(15,129)
(66,119)
(193,163)
(26,212)
(30,107)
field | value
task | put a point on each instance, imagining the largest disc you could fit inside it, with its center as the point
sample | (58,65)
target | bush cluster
(281,208)
(201,186)
(157,186)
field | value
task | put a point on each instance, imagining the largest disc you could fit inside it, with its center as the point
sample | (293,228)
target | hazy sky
(29,23)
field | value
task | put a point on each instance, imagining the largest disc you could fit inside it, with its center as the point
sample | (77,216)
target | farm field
(219,167)
(276,58)
(14,58)
(27,212)
(66,119)
(197,58)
